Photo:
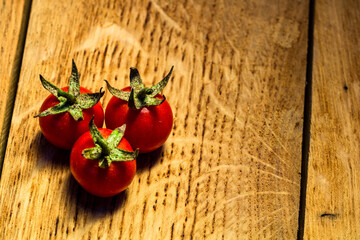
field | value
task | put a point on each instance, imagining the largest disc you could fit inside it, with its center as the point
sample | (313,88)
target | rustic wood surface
(333,190)
(11,13)
(231,167)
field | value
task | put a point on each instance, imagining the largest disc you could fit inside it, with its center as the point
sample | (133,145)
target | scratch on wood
(279,177)
(172,22)
(271,149)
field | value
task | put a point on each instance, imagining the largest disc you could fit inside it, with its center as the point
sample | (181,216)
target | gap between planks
(14,79)
(307,121)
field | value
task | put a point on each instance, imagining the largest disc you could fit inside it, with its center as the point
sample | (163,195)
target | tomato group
(146,128)
(61,129)
(101,178)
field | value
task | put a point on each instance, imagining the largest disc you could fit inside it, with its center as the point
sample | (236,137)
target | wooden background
(231,169)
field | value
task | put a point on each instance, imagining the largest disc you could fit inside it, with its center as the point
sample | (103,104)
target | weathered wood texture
(231,167)
(11,13)
(333,191)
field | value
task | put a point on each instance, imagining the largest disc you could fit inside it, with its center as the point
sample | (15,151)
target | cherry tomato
(146,128)
(66,113)
(61,129)
(101,181)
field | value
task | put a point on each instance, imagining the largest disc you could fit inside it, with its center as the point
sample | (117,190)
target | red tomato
(61,129)
(146,128)
(102,182)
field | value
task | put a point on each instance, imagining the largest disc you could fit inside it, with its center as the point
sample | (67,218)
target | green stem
(141,96)
(106,150)
(71,101)
(142,93)
(71,98)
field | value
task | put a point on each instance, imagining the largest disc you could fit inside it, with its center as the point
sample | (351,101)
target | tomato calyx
(72,101)
(105,151)
(140,96)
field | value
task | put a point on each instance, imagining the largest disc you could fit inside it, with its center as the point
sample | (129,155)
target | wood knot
(329,215)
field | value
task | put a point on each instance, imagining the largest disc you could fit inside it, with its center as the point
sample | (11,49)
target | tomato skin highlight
(61,129)
(146,128)
(101,182)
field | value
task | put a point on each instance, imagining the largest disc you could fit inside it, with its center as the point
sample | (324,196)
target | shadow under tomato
(90,204)
(147,160)
(48,153)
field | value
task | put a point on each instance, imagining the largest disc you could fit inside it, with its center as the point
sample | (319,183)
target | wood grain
(333,191)
(10,23)
(231,167)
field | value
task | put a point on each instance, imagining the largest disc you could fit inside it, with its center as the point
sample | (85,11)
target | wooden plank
(11,14)
(333,189)
(230,168)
